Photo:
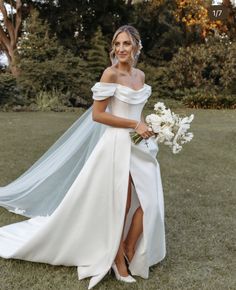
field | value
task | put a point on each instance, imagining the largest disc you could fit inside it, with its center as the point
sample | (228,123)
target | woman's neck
(125,68)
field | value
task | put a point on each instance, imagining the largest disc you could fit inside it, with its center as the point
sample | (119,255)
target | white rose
(153,118)
(159,106)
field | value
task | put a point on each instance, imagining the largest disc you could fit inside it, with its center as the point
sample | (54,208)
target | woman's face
(123,47)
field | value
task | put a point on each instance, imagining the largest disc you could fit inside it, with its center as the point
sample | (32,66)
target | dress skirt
(85,229)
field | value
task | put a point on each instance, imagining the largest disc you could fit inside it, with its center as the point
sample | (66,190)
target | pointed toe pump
(128,279)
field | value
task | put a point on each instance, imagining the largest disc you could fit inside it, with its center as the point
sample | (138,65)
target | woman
(110,208)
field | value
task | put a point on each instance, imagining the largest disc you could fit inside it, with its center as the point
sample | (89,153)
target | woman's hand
(143,130)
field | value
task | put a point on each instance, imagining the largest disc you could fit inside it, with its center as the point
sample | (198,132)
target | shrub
(209,66)
(49,101)
(45,65)
(228,76)
(157,77)
(9,92)
(209,100)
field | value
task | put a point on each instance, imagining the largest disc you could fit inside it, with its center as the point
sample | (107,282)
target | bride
(94,200)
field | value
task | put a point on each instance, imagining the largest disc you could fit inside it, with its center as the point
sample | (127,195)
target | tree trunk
(12,63)
(9,35)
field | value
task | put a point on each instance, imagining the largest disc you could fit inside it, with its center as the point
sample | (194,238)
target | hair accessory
(140,44)
(139,48)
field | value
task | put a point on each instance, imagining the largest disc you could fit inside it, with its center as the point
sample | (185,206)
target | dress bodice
(124,102)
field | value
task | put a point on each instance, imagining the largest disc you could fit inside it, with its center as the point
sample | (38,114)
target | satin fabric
(85,229)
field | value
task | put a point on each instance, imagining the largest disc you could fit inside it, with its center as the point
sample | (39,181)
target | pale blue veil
(40,189)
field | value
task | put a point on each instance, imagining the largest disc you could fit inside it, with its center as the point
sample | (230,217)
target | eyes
(126,43)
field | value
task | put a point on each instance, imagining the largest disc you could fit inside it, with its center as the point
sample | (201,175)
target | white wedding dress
(75,197)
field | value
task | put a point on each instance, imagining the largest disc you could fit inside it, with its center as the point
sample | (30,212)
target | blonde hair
(135,40)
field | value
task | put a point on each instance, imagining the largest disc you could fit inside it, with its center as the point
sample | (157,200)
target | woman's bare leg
(119,259)
(135,230)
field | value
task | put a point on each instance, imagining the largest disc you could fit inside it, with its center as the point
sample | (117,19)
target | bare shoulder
(109,75)
(141,74)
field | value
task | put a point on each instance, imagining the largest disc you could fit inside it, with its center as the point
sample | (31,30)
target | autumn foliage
(195,13)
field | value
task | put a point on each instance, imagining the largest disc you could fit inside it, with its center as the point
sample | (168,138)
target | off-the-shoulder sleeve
(102,91)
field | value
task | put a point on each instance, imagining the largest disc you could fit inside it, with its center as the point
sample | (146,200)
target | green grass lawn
(199,189)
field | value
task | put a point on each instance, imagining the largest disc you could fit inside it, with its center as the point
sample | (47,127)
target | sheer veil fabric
(75,195)
(40,189)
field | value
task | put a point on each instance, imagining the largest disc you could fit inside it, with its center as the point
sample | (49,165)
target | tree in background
(193,14)
(231,19)
(10,31)
(160,33)
(76,21)
(67,53)
(97,57)
(44,64)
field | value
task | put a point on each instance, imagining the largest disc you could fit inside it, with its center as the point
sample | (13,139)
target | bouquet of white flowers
(169,128)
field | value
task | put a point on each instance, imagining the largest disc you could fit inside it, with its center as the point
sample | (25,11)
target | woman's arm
(99,114)
(99,107)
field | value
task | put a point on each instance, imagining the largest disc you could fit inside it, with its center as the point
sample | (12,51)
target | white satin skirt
(86,228)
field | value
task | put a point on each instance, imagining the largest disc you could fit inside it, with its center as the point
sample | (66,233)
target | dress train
(85,228)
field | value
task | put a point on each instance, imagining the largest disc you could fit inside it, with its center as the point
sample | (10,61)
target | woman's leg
(134,232)
(119,259)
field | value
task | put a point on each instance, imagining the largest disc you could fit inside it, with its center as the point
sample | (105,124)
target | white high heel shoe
(128,278)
